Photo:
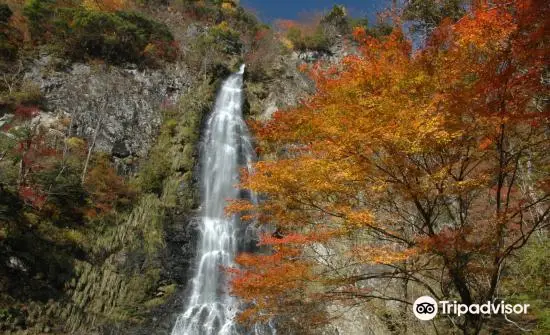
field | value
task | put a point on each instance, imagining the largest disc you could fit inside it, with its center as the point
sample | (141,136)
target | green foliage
(225,38)
(427,14)
(10,38)
(362,22)
(26,93)
(115,37)
(156,169)
(66,197)
(213,50)
(380,30)
(244,21)
(318,41)
(5,13)
(40,15)
(168,171)
(528,278)
(336,16)
(200,10)
(336,21)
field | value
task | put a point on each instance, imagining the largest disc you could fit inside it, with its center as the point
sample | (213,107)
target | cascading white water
(226,146)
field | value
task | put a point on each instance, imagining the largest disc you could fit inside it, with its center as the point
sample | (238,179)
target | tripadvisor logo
(426,308)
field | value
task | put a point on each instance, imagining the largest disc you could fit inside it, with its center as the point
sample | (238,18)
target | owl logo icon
(425,308)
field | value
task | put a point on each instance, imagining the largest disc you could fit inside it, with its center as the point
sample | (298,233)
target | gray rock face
(336,54)
(122,104)
(290,84)
(284,90)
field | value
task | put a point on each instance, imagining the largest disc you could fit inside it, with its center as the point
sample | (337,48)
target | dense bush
(321,33)
(116,37)
(527,281)
(263,55)
(317,33)
(318,41)
(9,37)
(380,30)
(336,23)
(226,38)
(199,10)
(5,13)
(40,15)
(425,15)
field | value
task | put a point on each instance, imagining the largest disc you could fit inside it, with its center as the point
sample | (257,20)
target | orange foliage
(107,189)
(406,157)
(286,24)
(32,196)
(274,276)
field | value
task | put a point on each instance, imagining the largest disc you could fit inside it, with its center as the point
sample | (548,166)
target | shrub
(26,93)
(379,30)
(318,41)
(528,275)
(10,37)
(40,14)
(226,38)
(5,13)
(199,10)
(336,22)
(106,189)
(263,55)
(116,37)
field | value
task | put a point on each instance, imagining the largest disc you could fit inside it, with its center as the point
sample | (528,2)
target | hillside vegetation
(87,238)
(413,168)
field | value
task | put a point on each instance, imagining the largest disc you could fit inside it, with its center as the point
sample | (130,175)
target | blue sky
(268,10)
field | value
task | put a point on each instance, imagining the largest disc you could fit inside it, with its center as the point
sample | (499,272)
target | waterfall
(226,147)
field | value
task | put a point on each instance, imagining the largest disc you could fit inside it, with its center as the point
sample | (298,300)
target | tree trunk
(90,150)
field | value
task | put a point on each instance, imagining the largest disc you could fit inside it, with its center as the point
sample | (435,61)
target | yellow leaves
(75,143)
(381,255)
(465,186)
(359,219)
(223,26)
(106,5)
(305,176)
(229,5)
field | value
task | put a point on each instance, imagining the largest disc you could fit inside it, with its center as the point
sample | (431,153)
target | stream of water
(225,149)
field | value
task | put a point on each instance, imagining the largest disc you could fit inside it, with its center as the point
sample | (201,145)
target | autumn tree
(307,34)
(107,190)
(263,54)
(42,165)
(428,171)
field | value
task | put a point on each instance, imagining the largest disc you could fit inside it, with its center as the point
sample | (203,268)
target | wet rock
(120,150)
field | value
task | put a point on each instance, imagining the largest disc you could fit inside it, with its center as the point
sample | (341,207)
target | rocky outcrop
(129,275)
(121,103)
(287,84)
(283,90)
